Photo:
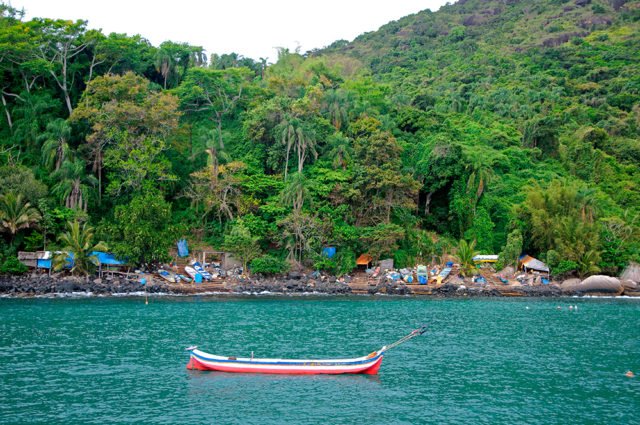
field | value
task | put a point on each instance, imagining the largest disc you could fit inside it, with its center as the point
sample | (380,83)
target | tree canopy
(510,126)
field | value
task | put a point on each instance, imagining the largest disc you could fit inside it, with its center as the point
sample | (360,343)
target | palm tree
(480,176)
(73,184)
(340,150)
(56,147)
(336,106)
(16,214)
(295,191)
(215,153)
(165,65)
(465,253)
(77,243)
(588,263)
(297,136)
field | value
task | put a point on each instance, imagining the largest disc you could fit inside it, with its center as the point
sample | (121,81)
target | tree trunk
(6,110)
(427,202)
(219,122)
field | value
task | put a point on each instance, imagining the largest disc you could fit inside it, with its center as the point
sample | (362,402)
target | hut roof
(485,258)
(30,255)
(364,260)
(533,263)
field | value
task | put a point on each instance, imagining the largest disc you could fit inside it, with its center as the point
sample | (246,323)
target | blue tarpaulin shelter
(108,259)
(183,249)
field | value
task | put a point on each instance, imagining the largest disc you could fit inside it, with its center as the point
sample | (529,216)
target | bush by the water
(268,264)
(13,266)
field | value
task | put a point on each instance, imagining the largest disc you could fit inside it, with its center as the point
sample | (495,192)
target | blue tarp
(183,249)
(47,263)
(104,258)
(329,251)
(44,264)
(107,259)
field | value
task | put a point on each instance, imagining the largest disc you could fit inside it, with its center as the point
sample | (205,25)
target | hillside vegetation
(512,123)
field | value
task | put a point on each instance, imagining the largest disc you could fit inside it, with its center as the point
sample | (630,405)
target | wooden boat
(191,272)
(205,274)
(369,365)
(166,276)
(183,278)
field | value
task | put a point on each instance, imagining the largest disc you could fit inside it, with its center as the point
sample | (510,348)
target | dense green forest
(514,125)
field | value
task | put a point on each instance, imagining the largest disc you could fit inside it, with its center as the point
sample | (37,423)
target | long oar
(413,334)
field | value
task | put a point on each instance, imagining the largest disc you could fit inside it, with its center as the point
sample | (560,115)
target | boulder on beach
(508,272)
(630,285)
(632,273)
(570,282)
(597,284)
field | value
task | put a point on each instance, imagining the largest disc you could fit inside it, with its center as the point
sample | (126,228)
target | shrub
(345,261)
(325,264)
(13,266)
(268,264)
(565,268)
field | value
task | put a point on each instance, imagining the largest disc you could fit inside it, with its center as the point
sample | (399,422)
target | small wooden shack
(364,261)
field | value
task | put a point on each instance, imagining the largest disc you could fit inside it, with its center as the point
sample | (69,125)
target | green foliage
(562,217)
(21,180)
(325,264)
(464,254)
(481,231)
(382,239)
(345,260)
(512,250)
(78,244)
(565,268)
(242,244)
(268,265)
(12,265)
(429,130)
(141,231)
(16,214)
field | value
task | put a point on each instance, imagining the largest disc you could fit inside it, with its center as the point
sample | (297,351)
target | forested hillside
(514,124)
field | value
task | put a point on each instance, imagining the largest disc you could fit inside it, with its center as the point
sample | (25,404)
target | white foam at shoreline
(136,294)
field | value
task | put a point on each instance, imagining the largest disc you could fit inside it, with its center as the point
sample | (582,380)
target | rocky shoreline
(295,283)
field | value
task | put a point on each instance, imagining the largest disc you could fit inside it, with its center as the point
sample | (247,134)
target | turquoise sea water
(116,360)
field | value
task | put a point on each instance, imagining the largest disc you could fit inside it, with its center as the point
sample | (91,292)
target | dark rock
(294,275)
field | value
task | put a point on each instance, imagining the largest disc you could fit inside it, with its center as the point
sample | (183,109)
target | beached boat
(205,274)
(183,278)
(199,360)
(169,277)
(191,272)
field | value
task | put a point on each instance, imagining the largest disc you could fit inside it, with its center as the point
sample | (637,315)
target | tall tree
(74,184)
(174,59)
(56,144)
(297,135)
(60,43)
(213,94)
(130,125)
(380,183)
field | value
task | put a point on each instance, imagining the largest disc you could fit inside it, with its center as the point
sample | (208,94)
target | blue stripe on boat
(301,363)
